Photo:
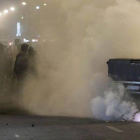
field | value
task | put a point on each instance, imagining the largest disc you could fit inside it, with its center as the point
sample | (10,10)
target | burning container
(127,72)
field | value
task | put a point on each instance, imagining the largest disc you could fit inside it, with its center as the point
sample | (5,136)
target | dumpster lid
(125,60)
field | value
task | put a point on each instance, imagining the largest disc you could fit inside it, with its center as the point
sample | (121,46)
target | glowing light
(0,14)
(34,40)
(22,17)
(12,9)
(24,3)
(45,4)
(26,40)
(18,29)
(37,7)
(6,11)
(11,43)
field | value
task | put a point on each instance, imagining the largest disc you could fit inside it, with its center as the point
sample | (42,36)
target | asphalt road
(16,124)
(27,127)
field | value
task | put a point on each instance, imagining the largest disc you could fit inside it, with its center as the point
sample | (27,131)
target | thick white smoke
(111,105)
(137,117)
(81,37)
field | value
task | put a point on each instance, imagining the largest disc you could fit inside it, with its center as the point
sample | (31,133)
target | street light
(37,7)
(6,11)
(34,40)
(12,9)
(24,3)
(26,40)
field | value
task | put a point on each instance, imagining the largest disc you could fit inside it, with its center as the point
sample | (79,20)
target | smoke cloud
(137,117)
(80,38)
(113,106)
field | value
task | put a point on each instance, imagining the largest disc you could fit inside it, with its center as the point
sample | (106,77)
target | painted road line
(115,129)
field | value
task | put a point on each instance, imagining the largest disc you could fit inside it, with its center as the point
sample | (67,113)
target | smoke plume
(111,105)
(80,38)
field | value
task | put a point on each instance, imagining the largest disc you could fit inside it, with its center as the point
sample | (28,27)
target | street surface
(16,124)
(27,127)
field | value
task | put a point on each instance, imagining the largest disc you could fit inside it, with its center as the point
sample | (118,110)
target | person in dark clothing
(21,64)
(32,58)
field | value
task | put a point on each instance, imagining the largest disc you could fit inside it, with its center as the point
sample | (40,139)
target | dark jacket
(21,64)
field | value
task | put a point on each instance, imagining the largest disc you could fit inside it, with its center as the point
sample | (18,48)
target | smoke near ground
(81,36)
(137,117)
(112,105)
